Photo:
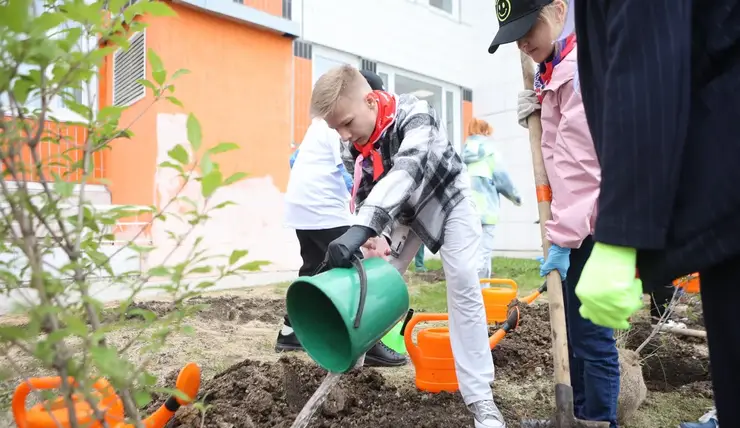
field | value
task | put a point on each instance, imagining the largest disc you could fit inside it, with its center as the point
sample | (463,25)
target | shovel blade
(573,423)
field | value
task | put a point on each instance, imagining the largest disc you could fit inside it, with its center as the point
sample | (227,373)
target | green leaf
(63,188)
(16,14)
(48,20)
(195,135)
(175,101)
(233,178)
(157,8)
(211,182)
(179,154)
(223,147)
(206,164)
(149,85)
(142,398)
(154,60)
(159,76)
(253,266)
(180,72)
(201,269)
(237,255)
(21,90)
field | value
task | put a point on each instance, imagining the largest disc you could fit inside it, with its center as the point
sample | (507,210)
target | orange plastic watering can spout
(537,293)
(408,330)
(511,323)
(188,382)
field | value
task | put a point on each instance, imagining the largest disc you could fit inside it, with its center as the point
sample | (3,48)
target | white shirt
(317,196)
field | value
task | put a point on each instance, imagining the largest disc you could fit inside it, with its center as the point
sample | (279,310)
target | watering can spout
(188,383)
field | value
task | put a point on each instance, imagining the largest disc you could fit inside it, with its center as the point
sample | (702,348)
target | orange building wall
(273,7)
(238,88)
(467,116)
(302,97)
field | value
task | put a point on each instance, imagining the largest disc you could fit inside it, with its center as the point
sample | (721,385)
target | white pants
(485,251)
(467,316)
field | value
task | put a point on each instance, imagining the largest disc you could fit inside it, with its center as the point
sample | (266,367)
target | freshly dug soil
(253,394)
(668,361)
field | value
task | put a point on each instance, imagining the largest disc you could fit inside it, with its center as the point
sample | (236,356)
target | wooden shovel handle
(544,197)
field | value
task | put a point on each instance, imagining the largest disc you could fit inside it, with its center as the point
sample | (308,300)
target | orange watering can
(689,283)
(54,413)
(497,299)
(432,354)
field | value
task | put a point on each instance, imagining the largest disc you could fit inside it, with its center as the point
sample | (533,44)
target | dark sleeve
(645,113)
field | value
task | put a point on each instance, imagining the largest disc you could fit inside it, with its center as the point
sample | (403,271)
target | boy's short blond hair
(332,85)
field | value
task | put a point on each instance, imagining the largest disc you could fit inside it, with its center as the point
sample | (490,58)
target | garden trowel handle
(357,263)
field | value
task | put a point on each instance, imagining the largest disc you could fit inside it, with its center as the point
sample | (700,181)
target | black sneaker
(382,356)
(287,340)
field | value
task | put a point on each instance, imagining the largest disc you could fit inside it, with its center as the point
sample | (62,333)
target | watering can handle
(357,263)
(18,404)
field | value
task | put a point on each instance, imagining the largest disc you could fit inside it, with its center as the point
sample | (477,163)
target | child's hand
(526,105)
(376,247)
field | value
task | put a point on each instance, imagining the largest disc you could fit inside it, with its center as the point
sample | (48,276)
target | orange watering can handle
(18,404)
(408,330)
(503,281)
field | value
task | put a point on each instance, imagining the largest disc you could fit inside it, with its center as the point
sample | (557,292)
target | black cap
(375,82)
(515,19)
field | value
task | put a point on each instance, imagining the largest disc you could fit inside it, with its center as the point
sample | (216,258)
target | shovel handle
(544,197)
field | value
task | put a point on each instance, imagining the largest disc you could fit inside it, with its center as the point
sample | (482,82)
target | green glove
(608,290)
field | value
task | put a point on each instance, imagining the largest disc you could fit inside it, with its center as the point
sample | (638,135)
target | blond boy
(409,183)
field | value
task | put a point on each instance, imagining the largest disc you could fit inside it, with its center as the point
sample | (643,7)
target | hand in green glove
(608,290)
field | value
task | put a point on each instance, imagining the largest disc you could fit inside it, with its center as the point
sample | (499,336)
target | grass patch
(669,409)
(432,297)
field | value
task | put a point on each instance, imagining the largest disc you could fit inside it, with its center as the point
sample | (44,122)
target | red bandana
(386,114)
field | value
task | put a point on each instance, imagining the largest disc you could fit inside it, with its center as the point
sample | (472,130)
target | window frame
(455,13)
(446,88)
(56,108)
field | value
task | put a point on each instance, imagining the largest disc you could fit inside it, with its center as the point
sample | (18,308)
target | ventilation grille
(287,9)
(302,49)
(368,65)
(467,94)
(128,67)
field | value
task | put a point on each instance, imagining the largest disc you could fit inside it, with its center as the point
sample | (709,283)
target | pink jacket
(570,159)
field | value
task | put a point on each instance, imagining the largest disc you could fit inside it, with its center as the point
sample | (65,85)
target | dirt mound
(223,308)
(668,361)
(253,394)
(526,352)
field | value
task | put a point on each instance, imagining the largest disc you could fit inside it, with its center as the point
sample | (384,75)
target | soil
(270,394)
(669,361)
(245,384)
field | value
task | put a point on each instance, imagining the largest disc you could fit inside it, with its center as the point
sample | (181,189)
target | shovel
(563,417)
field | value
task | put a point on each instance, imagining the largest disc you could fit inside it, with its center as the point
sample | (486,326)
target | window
(325,59)
(450,7)
(84,95)
(128,67)
(445,5)
(444,98)
(450,115)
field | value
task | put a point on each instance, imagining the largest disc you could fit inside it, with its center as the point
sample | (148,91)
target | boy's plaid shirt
(423,175)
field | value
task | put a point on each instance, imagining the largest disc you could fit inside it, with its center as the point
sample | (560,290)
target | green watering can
(340,314)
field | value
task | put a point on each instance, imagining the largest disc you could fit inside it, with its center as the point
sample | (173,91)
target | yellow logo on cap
(503,9)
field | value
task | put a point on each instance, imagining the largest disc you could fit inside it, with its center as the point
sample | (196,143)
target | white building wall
(413,36)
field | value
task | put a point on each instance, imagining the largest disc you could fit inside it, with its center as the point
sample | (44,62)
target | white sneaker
(486,414)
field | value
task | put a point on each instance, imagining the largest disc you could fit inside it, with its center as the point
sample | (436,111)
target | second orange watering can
(497,299)
(55,414)
(432,352)
(689,283)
